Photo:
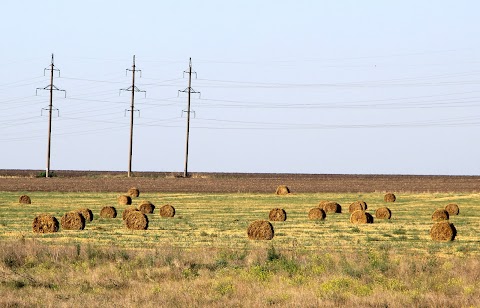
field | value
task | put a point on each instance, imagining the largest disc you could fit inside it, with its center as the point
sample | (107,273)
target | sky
(321,87)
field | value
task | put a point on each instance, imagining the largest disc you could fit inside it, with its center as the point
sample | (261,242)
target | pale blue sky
(387,87)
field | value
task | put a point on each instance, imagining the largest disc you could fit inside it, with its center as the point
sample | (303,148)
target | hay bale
(383,213)
(317,214)
(136,220)
(361,217)
(260,230)
(146,207)
(127,211)
(282,190)
(133,192)
(24,199)
(452,209)
(86,213)
(73,221)
(322,203)
(167,211)
(439,215)
(108,212)
(357,205)
(332,207)
(124,200)
(389,197)
(45,223)
(277,215)
(443,231)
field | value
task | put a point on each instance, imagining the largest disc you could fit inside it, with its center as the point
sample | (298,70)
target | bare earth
(103,181)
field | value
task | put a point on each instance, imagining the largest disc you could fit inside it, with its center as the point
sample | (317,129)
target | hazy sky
(389,87)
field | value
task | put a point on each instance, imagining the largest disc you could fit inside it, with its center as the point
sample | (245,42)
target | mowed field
(202,256)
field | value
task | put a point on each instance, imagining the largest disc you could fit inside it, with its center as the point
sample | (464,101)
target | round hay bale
(133,192)
(439,215)
(136,220)
(357,205)
(282,190)
(443,231)
(359,217)
(332,207)
(260,230)
(73,221)
(383,213)
(452,209)
(317,214)
(127,211)
(124,200)
(108,212)
(322,203)
(45,223)
(167,211)
(24,199)
(146,207)
(277,215)
(86,213)
(389,197)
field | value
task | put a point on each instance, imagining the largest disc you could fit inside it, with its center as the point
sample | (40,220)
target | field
(202,256)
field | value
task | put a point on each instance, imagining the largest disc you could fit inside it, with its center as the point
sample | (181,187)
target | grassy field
(202,256)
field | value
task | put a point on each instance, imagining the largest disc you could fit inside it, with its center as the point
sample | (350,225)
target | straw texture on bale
(136,220)
(108,212)
(146,207)
(322,203)
(452,209)
(45,223)
(316,214)
(383,213)
(439,215)
(133,192)
(24,199)
(443,231)
(124,200)
(389,197)
(127,211)
(72,221)
(260,230)
(361,217)
(282,190)
(357,205)
(167,211)
(277,215)
(332,207)
(86,213)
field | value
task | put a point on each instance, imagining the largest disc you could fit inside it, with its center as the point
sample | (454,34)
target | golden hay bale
(45,223)
(260,230)
(277,215)
(322,203)
(360,217)
(167,211)
(146,207)
(133,192)
(439,215)
(389,197)
(86,213)
(332,207)
(443,231)
(24,199)
(282,190)
(124,200)
(127,211)
(452,209)
(108,212)
(136,220)
(73,221)
(317,213)
(383,213)
(357,205)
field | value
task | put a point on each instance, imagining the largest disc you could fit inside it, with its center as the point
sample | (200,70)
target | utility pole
(188,90)
(132,110)
(50,108)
